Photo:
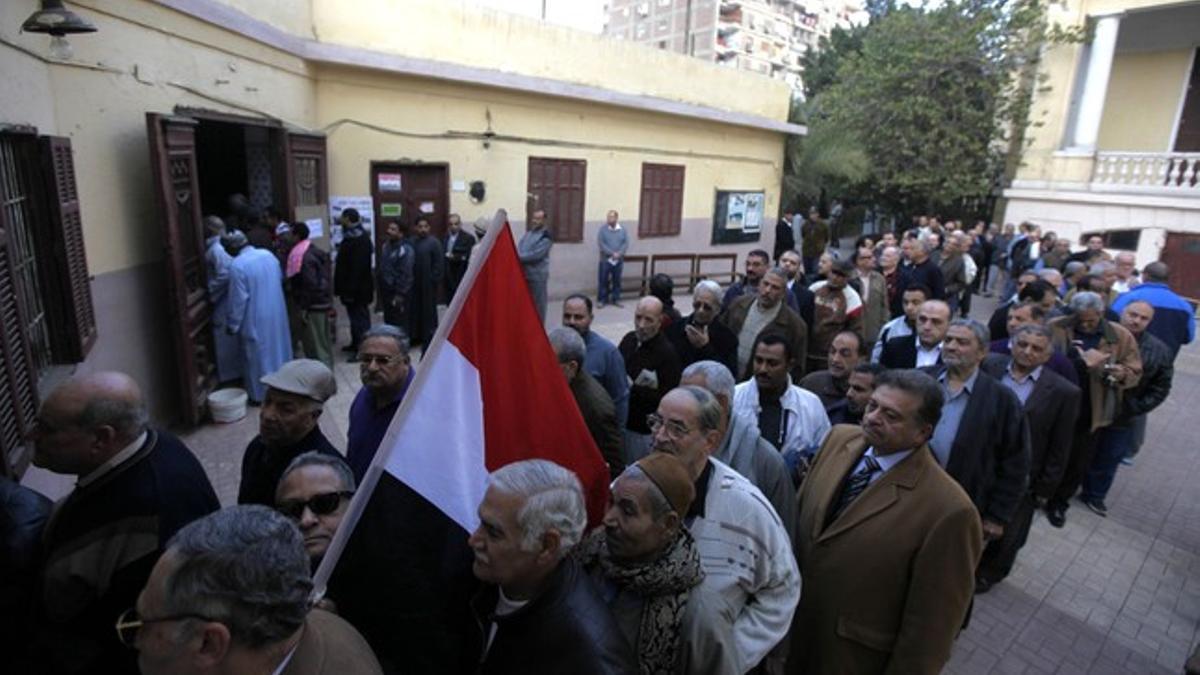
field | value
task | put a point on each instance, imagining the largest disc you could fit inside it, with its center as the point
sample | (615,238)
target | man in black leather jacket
(538,611)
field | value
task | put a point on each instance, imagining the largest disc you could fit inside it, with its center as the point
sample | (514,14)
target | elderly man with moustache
(845,353)
(296,396)
(744,546)
(537,611)
(1120,439)
(653,369)
(1050,404)
(648,568)
(314,492)
(742,447)
(750,316)
(982,438)
(386,372)
(887,542)
(699,336)
(757,263)
(1106,357)
(136,487)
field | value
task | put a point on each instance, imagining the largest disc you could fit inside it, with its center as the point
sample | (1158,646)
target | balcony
(1169,174)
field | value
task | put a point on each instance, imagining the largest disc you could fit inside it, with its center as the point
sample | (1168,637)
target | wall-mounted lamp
(58,22)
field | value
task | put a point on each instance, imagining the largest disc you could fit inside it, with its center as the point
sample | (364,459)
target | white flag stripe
(440,453)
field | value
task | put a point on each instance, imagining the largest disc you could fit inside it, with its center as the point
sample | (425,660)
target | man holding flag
(401,568)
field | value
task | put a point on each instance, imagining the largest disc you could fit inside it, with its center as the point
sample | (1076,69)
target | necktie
(855,485)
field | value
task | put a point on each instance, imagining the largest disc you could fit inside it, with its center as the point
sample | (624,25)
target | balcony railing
(1164,173)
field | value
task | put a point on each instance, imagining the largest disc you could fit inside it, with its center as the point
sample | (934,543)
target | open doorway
(199,158)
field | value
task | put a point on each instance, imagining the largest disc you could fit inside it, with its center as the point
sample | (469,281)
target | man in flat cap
(838,308)
(287,427)
(646,563)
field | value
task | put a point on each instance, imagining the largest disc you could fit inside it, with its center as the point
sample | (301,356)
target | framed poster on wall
(737,216)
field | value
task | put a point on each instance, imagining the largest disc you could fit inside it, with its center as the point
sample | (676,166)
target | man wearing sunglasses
(287,427)
(231,595)
(313,493)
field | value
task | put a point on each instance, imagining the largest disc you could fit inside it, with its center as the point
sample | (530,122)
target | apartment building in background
(769,37)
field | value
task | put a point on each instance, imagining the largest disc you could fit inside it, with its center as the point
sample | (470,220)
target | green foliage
(935,99)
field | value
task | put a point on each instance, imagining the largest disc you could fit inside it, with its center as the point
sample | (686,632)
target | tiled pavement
(1116,595)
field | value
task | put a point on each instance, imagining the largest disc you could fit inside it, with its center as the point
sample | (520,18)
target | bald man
(654,369)
(136,487)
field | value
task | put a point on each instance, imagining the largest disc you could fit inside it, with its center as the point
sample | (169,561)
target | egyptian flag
(488,392)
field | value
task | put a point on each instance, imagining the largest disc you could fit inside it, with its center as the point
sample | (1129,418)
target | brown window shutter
(18,388)
(660,212)
(71,314)
(558,186)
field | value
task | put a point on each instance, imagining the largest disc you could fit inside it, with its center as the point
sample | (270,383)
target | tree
(936,97)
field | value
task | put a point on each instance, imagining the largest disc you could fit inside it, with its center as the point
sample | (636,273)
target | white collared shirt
(886,462)
(113,462)
(927,357)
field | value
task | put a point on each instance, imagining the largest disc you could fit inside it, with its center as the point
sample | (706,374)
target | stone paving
(1116,595)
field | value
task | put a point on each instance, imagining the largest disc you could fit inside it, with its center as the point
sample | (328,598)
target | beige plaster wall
(1143,99)
(366,115)
(453,31)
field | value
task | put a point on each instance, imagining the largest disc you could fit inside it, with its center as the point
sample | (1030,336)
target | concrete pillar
(1095,83)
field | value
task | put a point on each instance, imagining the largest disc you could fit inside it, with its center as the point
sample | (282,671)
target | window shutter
(18,390)
(660,212)
(73,318)
(558,186)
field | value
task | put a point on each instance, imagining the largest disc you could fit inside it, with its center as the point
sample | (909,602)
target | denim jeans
(1111,447)
(609,282)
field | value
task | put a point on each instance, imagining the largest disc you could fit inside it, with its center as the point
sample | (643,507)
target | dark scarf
(664,583)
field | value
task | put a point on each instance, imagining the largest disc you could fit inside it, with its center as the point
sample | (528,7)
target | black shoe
(1096,506)
(982,585)
(1057,515)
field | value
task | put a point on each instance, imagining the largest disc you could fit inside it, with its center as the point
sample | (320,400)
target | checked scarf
(664,583)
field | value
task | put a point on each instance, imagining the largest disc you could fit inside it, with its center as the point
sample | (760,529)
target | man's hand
(697,336)
(1094,358)
(992,530)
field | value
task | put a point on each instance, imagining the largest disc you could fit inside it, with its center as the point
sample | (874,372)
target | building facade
(111,158)
(1117,150)
(769,37)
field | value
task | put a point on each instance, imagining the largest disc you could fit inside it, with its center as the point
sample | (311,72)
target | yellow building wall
(1143,100)
(144,58)
(371,116)
(452,31)
(1043,159)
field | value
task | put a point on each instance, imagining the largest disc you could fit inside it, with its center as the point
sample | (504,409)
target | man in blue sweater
(614,242)
(1174,318)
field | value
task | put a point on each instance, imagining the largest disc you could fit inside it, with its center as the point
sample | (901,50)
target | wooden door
(1182,256)
(1187,139)
(173,163)
(306,172)
(403,191)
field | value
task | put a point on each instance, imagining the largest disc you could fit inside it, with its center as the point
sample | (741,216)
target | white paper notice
(316,228)
(459,186)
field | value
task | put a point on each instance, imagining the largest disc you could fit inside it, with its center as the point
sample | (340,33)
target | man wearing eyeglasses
(313,493)
(136,487)
(384,367)
(744,548)
(287,427)
(231,595)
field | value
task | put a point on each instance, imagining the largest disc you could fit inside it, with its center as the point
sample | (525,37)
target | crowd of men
(813,472)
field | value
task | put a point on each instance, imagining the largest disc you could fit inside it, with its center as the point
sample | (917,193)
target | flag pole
(358,503)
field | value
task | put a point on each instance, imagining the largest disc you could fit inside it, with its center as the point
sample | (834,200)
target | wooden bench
(671,261)
(638,283)
(725,264)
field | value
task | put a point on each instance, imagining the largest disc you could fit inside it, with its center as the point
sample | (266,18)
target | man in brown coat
(750,315)
(1106,357)
(887,542)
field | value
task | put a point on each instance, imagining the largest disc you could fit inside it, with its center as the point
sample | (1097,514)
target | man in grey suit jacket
(1050,404)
